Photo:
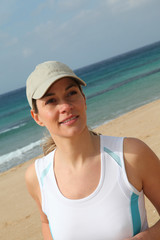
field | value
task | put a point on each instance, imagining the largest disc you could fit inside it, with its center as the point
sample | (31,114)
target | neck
(77,150)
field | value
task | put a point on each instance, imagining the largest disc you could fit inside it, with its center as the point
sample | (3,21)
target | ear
(36,118)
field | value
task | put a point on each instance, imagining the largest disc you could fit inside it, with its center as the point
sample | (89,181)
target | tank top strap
(44,168)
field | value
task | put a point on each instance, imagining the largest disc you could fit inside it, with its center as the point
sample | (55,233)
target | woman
(90,186)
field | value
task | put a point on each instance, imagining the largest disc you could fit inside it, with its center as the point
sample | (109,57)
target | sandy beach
(19,217)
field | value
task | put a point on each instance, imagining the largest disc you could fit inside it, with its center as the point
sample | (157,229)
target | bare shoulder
(143,168)
(135,146)
(30,174)
(138,152)
(32,181)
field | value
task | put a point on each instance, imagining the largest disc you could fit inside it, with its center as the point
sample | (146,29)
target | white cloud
(44,28)
(52,40)
(11,42)
(27,52)
(7,40)
(45,4)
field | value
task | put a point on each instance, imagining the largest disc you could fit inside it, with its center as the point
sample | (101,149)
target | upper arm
(32,183)
(143,169)
(34,190)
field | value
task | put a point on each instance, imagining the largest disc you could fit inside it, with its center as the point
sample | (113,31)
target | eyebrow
(71,85)
(67,88)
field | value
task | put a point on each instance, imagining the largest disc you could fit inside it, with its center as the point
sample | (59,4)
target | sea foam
(12,128)
(19,152)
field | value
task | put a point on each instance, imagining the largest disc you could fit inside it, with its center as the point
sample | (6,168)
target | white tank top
(114,211)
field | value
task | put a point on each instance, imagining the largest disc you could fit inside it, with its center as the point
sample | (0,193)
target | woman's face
(62,110)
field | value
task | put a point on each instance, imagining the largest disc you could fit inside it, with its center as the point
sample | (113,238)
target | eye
(51,100)
(71,93)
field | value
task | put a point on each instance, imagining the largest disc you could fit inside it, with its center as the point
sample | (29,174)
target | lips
(68,120)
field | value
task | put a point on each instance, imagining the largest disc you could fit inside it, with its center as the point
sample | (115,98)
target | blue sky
(76,32)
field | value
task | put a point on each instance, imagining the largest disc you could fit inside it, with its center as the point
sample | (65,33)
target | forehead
(62,84)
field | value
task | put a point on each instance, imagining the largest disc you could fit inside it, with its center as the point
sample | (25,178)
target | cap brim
(42,89)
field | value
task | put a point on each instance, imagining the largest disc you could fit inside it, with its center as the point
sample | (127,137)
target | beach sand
(19,216)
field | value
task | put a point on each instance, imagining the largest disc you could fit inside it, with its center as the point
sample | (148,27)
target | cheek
(47,117)
(82,107)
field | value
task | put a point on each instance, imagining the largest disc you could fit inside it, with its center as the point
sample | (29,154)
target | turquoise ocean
(114,87)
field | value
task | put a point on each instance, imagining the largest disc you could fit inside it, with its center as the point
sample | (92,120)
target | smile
(69,120)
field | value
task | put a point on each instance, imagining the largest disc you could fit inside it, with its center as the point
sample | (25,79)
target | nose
(65,107)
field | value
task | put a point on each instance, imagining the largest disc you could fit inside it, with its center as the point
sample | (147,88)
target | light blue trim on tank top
(44,173)
(135,214)
(114,156)
(51,231)
(136,219)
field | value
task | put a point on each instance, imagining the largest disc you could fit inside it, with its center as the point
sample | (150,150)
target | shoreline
(19,214)
(6,159)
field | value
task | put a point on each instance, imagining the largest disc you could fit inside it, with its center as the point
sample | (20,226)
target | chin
(73,132)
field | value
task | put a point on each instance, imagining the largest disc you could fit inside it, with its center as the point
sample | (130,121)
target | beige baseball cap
(44,75)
